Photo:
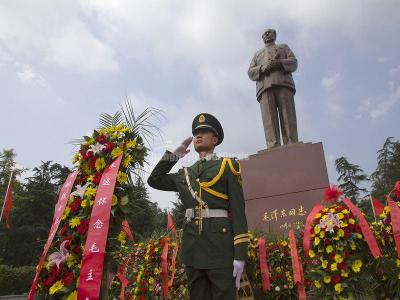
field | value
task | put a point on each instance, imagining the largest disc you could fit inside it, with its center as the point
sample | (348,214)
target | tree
(32,215)
(178,212)
(388,170)
(350,176)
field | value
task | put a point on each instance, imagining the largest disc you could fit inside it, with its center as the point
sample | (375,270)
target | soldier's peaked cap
(205,120)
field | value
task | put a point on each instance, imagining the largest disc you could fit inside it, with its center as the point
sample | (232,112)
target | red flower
(308,282)
(342,265)
(331,256)
(76,205)
(108,147)
(77,250)
(63,230)
(92,162)
(397,189)
(332,193)
(96,178)
(83,227)
(68,278)
(327,242)
(101,139)
(336,279)
(88,154)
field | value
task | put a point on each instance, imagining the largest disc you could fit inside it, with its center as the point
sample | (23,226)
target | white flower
(96,148)
(80,190)
(277,288)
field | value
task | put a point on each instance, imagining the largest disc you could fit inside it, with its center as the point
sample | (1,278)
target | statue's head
(269,36)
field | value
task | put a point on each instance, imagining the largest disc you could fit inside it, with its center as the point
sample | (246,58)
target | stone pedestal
(281,185)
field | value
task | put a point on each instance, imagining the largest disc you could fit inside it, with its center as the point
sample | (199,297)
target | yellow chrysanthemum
(122,177)
(311,253)
(324,264)
(353,245)
(66,213)
(352,221)
(74,222)
(77,157)
(338,258)
(114,200)
(329,249)
(100,164)
(73,296)
(131,144)
(322,234)
(327,279)
(316,241)
(151,280)
(58,285)
(90,192)
(340,232)
(284,243)
(359,235)
(398,262)
(345,211)
(317,284)
(340,215)
(317,229)
(90,178)
(84,203)
(156,271)
(334,267)
(356,266)
(70,261)
(122,237)
(127,160)
(338,287)
(344,273)
(116,152)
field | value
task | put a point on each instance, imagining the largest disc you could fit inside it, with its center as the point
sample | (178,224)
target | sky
(62,63)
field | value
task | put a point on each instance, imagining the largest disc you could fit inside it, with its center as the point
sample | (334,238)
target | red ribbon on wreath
(265,277)
(164,267)
(395,218)
(308,227)
(298,275)
(367,232)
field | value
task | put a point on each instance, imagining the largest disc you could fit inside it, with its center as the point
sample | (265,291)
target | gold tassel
(200,208)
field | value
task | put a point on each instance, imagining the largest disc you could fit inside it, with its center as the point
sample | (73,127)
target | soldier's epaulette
(231,166)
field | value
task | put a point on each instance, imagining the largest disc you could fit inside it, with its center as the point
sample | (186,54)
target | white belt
(206,213)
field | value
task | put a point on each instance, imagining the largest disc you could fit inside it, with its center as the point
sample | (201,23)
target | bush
(15,281)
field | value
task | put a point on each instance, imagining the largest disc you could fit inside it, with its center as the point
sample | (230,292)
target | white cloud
(330,81)
(378,107)
(27,75)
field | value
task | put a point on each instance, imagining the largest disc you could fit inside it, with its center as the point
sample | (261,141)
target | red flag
(127,230)
(377,206)
(170,223)
(8,203)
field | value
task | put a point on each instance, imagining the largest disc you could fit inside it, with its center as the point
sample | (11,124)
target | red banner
(93,255)
(171,227)
(127,230)
(307,228)
(367,232)
(377,206)
(265,277)
(395,218)
(298,276)
(8,202)
(164,268)
(58,212)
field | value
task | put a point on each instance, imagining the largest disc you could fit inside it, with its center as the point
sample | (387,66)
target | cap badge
(202,119)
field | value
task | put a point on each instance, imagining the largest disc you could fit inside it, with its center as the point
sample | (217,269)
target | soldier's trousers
(274,99)
(211,284)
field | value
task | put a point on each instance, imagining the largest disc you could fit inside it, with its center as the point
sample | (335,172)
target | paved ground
(13,297)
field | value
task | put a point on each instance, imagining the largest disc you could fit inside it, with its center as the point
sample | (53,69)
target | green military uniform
(211,244)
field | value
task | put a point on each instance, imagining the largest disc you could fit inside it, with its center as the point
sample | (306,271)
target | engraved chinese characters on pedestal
(285,218)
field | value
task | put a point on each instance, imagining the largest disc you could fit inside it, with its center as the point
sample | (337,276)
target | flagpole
(373,208)
(4,202)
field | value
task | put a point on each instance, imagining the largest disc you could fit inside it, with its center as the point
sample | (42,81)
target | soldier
(215,236)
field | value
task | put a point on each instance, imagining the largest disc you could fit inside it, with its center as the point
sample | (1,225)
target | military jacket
(221,239)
